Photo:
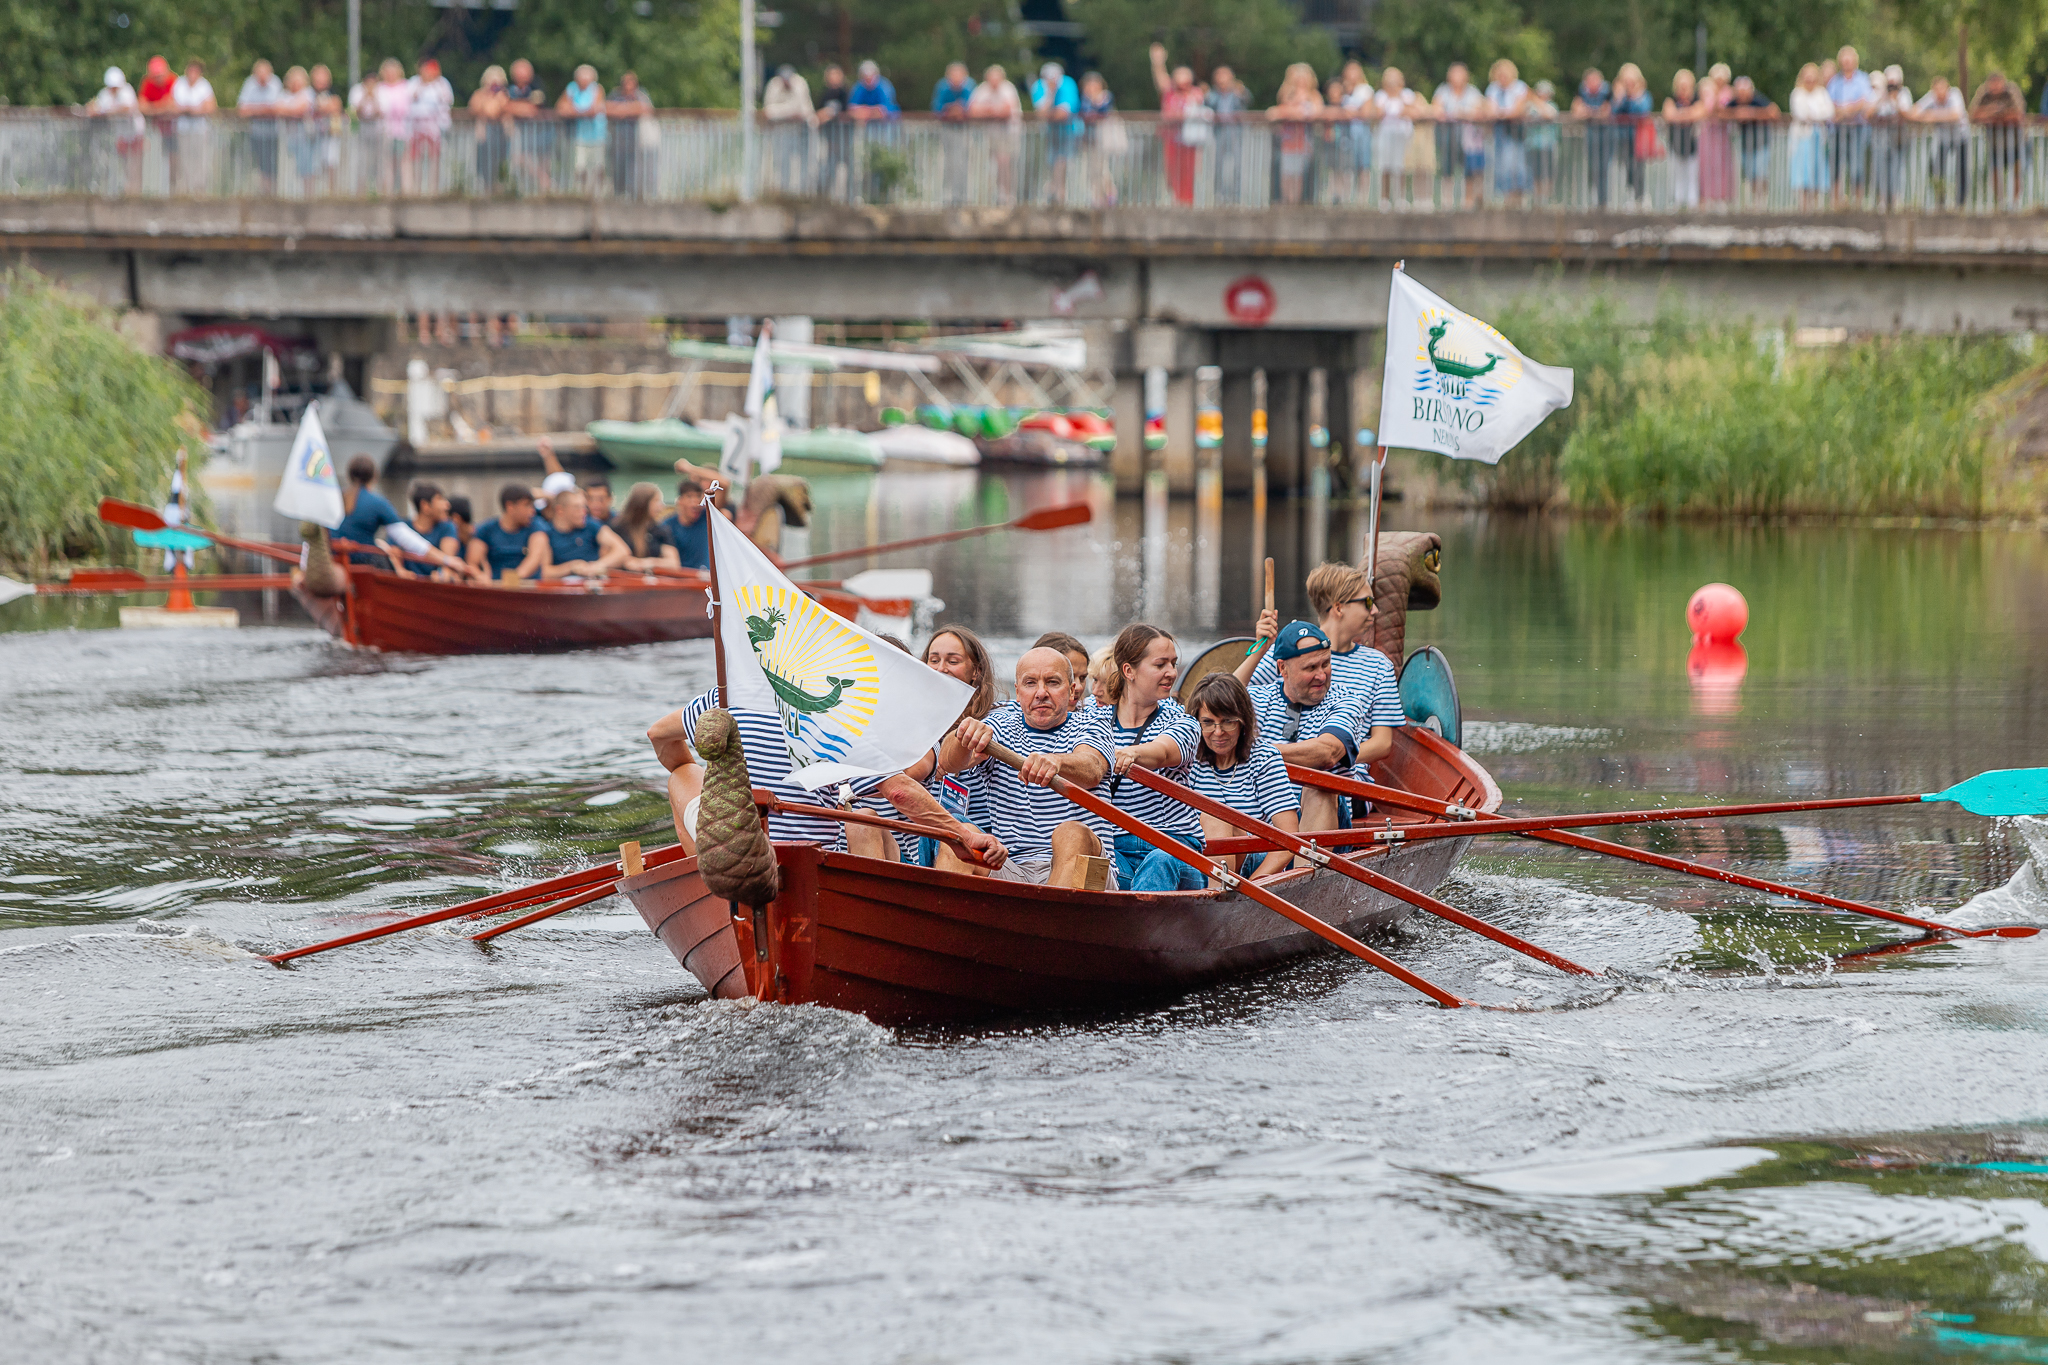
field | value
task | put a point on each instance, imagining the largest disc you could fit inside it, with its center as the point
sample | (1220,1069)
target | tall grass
(86,416)
(1687,417)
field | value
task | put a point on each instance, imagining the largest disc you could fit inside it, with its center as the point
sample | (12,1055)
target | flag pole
(716,606)
(1379,468)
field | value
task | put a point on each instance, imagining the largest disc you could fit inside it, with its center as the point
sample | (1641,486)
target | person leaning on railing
(786,108)
(1948,138)
(997,108)
(1999,111)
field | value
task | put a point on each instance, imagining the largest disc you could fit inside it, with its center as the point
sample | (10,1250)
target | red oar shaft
(1491,824)
(1073,514)
(597,893)
(1499,825)
(1329,933)
(488,905)
(1421,900)
(218,582)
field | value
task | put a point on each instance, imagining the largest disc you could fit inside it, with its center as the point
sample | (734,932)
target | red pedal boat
(903,944)
(382,610)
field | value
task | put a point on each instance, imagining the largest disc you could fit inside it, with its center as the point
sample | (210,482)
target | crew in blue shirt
(576,545)
(873,94)
(508,543)
(367,512)
(950,95)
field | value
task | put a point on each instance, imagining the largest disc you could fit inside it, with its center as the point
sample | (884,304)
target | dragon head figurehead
(1406,580)
(323,577)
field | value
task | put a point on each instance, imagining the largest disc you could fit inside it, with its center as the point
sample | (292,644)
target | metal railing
(1625,165)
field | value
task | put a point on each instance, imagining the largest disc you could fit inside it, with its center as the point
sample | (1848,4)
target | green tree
(1423,38)
(911,40)
(89,417)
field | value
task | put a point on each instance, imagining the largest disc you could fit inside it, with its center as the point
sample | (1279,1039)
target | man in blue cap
(1317,726)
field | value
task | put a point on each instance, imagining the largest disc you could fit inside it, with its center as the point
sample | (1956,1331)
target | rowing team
(559,530)
(1319,700)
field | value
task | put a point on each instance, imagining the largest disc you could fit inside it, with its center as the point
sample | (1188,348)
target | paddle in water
(1386,885)
(1045,519)
(1244,886)
(1493,824)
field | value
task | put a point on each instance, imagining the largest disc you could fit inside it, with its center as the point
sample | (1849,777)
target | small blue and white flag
(309,491)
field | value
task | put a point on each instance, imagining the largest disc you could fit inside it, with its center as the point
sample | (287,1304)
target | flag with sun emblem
(1455,385)
(309,491)
(851,703)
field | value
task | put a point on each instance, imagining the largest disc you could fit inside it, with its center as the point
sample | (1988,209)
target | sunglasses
(1365,601)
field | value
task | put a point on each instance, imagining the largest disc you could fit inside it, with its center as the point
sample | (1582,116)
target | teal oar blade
(2005,791)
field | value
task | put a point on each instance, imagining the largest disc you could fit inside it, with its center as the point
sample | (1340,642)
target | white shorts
(1037,871)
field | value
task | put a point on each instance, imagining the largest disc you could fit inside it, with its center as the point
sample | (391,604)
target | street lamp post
(750,80)
(355,43)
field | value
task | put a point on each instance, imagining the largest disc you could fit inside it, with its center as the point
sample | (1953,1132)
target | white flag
(852,704)
(1455,385)
(309,490)
(764,420)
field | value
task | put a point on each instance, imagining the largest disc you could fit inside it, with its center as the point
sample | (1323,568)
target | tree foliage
(89,416)
(1258,39)
(686,51)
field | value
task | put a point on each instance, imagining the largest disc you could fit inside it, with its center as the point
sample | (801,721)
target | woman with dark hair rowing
(1240,769)
(366,512)
(640,526)
(1149,730)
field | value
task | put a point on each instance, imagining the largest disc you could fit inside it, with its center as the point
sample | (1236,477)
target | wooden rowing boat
(905,944)
(382,610)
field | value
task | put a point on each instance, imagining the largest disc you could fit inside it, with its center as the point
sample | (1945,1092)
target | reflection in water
(1716,668)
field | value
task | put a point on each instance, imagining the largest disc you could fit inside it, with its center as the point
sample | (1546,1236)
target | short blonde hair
(1333,584)
(1102,666)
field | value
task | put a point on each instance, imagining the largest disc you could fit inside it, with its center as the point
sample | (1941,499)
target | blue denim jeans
(1141,867)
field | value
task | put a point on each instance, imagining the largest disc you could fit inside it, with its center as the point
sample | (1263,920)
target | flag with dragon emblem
(851,703)
(1455,385)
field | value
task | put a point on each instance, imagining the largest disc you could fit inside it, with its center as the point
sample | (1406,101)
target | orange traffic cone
(181,596)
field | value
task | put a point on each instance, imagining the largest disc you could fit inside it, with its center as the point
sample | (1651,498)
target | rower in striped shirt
(1150,730)
(1314,725)
(1046,839)
(1344,608)
(769,764)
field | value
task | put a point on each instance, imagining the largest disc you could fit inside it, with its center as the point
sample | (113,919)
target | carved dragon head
(1406,580)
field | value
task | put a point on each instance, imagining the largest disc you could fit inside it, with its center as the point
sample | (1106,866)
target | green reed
(88,416)
(1687,417)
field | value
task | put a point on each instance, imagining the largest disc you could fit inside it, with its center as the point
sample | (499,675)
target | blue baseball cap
(1297,638)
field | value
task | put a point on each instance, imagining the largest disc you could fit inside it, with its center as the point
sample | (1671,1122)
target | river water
(556,1149)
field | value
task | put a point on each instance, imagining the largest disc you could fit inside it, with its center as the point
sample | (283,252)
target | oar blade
(107,580)
(1053,518)
(2003,791)
(11,588)
(130,515)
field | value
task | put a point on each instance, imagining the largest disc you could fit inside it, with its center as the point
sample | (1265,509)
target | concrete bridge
(1298,292)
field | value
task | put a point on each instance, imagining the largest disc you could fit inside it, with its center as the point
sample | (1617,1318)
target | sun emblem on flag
(1460,357)
(822,671)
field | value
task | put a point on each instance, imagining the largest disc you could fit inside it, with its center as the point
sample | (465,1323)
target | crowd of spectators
(1841,132)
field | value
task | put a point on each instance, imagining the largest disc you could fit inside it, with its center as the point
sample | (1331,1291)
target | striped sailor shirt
(1134,798)
(1339,713)
(1257,787)
(1025,817)
(1360,668)
(763,741)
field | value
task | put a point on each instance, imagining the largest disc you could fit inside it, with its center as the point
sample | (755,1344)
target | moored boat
(906,944)
(659,444)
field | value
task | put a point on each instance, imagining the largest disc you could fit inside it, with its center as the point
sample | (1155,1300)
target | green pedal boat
(659,444)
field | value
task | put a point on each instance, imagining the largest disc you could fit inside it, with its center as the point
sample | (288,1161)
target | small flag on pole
(852,704)
(764,418)
(309,491)
(1456,386)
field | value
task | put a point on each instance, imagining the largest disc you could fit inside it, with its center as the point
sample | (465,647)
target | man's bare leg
(1318,812)
(685,785)
(866,841)
(1072,842)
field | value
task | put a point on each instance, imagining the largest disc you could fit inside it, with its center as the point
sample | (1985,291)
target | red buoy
(1717,612)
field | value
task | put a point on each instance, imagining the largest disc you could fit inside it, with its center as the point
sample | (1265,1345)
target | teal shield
(1430,695)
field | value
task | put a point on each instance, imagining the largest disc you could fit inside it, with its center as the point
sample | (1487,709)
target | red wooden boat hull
(383,611)
(905,944)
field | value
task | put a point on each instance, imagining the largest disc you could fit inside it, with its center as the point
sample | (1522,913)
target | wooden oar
(765,801)
(552,889)
(1045,519)
(128,580)
(1296,844)
(596,893)
(1259,645)
(2003,792)
(1088,801)
(1490,824)
(139,518)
